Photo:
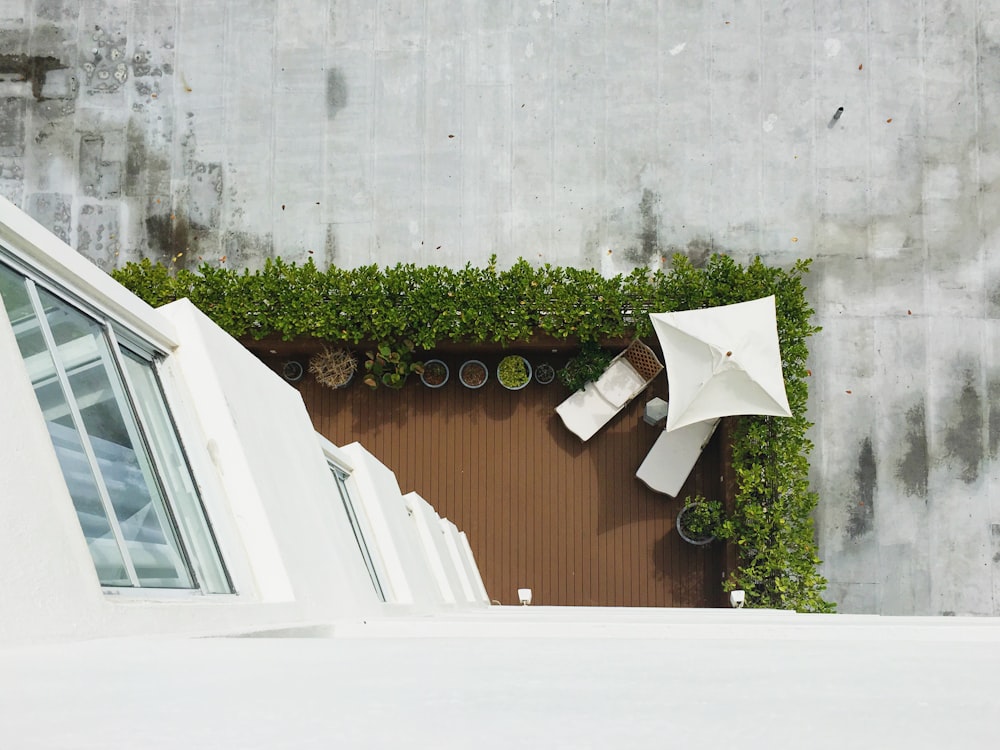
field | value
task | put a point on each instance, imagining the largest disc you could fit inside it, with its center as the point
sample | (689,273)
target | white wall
(410,566)
(280,492)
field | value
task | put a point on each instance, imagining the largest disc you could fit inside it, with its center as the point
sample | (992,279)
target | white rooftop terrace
(528,676)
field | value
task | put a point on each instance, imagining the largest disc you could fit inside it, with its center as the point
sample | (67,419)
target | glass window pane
(176,475)
(115,442)
(75,466)
(359,535)
(124,464)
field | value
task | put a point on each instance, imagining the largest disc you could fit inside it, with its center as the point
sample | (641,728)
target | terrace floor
(541,509)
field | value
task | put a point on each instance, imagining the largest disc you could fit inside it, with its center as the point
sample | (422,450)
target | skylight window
(116,444)
(341,477)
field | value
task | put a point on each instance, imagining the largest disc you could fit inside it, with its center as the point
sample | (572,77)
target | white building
(159,483)
(159,479)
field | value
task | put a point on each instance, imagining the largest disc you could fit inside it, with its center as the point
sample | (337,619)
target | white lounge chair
(673,456)
(593,406)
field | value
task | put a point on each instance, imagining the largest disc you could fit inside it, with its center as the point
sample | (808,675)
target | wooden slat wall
(540,508)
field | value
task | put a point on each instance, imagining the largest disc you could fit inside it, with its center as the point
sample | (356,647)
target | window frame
(361,526)
(119,338)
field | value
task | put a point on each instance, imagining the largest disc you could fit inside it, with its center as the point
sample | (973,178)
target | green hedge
(771,525)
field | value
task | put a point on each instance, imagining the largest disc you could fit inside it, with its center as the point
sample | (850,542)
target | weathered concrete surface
(594,134)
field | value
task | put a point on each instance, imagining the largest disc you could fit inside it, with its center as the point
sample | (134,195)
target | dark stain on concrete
(336,92)
(648,249)
(100,177)
(963,439)
(135,155)
(861,511)
(993,303)
(147,170)
(912,468)
(169,238)
(330,246)
(98,235)
(105,69)
(699,251)
(246,250)
(29,68)
(142,67)
(993,420)
(205,187)
(53,211)
(12,132)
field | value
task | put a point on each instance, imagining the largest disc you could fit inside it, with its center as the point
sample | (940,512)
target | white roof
(522,677)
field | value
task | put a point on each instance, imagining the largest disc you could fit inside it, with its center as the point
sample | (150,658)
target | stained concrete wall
(606,135)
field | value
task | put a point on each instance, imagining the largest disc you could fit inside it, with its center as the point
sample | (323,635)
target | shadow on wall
(31,69)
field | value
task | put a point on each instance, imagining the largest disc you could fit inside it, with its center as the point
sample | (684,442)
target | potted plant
(700,520)
(435,373)
(390,366)
(333,368)
(585,367)
(514,372)
(292,371)
(473,374)
(544,373)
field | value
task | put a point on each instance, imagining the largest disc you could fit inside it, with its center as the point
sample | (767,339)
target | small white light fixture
(524,596)
(737,598)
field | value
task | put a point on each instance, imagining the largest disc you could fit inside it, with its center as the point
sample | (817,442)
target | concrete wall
(594,134)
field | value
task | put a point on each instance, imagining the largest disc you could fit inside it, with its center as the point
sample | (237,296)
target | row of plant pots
(335,368)
(514,373)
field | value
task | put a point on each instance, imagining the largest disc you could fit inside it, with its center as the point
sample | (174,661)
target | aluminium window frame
(362,530)
(119,337)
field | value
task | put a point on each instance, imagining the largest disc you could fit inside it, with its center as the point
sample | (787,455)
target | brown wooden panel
(540,508)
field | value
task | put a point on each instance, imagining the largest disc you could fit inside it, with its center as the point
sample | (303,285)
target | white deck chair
(673,456)
(593,406)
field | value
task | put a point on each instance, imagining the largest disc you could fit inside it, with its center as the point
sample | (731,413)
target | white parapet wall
(425,574)
(280,495)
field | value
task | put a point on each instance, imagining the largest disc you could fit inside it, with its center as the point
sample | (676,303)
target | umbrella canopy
(721,361)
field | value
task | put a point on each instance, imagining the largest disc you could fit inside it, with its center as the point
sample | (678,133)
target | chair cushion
(619,383)
(586,411)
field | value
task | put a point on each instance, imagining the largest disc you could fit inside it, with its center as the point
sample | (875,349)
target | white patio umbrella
(721,361)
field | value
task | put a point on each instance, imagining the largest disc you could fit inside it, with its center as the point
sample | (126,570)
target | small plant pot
(473,374)
(292,371)
(689,537)
(544,373)
(435,373)
(514,372)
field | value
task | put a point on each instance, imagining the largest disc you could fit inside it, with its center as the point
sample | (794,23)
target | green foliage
(390,366)
(702,518)
(585,367)
(772,521)
(405,307)
(512,371)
